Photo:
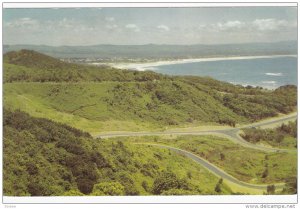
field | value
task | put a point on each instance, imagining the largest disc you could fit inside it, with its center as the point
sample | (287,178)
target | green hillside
(53,108)
(283,136)
(31,66)
(52,159)
(98,99)
(258,167)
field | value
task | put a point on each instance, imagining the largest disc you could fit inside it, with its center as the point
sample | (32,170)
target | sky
(92,26)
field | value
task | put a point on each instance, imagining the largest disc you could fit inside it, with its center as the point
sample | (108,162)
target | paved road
(231,133)
(217,171)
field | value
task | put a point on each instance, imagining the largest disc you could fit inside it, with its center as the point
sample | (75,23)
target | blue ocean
(265,72)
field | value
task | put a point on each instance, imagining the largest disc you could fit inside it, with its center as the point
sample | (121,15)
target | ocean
(265,72)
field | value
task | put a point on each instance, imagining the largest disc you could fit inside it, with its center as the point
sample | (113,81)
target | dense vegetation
(245,164)
(45,158)
(31,66)
(282,136)
(54,158)
(98,95)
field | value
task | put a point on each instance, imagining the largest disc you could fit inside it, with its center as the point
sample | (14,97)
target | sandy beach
(153,65)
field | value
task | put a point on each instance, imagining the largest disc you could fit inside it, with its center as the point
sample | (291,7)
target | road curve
(215,170)
(231,133)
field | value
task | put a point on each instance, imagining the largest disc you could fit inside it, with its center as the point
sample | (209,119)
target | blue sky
(89,26)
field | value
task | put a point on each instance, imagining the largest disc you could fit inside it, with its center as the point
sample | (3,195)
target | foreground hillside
(44,158)
(98,99)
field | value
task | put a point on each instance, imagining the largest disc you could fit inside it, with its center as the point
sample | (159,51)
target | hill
(154,51)
(52,159)
(102,98)
(51,109)
(28,65)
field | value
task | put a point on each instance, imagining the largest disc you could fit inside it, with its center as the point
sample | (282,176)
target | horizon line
(109,44)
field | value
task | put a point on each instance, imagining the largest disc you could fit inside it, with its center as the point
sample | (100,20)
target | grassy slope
(46,153)
(125,106)
(129,100)
(92,106)
(99,99)
(245,164)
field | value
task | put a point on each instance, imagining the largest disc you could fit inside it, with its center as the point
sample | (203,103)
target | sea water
(265,72)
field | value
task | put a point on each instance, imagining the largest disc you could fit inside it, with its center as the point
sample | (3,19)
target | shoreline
(152,65)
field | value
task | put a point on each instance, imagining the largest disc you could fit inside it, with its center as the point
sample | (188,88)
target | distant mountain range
(153,51)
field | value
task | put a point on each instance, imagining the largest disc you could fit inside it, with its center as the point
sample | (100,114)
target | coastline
(153,65)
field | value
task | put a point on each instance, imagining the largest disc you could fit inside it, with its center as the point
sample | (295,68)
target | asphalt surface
(217,171)
(231,133)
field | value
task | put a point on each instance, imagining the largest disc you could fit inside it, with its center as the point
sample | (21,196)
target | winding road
(230,133)
(215,170)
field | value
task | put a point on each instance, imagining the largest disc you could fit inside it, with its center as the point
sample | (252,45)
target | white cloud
(23,22)
(163,28)
(234,24)
(112,26)
(230,25)
(133,27)
(66,23)
(259,25)
(269,24)
(110,19)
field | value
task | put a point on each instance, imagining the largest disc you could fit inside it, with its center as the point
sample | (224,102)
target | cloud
(23,22)
(259,25)
(112,26)
(163,28)
(133,27)
(110,19)
(231,25)
(66,23)
(226,26)
(269,24)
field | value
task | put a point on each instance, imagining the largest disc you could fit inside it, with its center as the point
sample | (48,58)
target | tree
(265,173)
(31,168)
(189,174)
(271,189)
(108,188)
(290,186)
(145,186)
(168,180)
(85,185)
(218,186)
(73,192)
(222,156)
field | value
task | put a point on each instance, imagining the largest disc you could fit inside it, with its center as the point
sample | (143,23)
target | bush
(166,181)
(108,188)
(85,185)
